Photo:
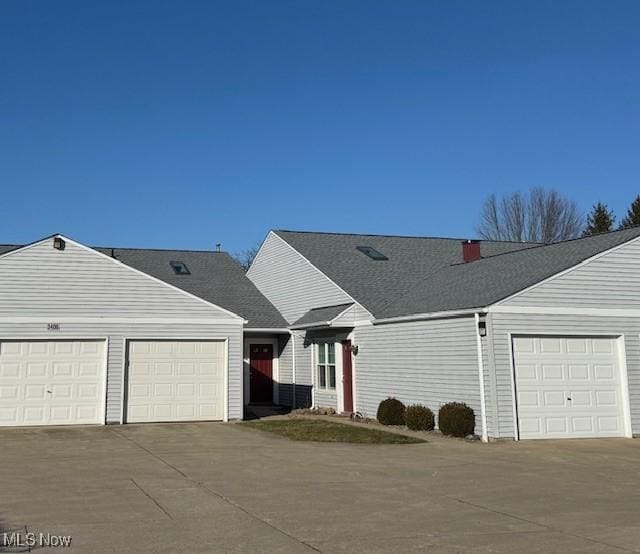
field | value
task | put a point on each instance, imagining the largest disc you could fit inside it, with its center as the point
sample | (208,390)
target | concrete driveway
(216,487)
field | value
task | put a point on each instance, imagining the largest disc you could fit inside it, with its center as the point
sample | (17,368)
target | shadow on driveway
(259,411)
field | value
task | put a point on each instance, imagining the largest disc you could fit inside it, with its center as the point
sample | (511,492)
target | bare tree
(246,257)
(537,216)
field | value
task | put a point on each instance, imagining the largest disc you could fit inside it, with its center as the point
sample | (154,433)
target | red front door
(261,373)
(347,376)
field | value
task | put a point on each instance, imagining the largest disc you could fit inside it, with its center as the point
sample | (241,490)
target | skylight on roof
(372,252)
(180,268)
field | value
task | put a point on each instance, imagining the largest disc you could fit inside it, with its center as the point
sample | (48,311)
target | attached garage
(569,387)
(175,380)
(91,337)
(58,382)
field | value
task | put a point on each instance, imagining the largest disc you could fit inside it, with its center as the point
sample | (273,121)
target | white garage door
(52,382)
(175,381)
(568,387)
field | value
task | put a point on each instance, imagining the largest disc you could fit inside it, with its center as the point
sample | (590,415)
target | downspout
(483,405)
(293,368)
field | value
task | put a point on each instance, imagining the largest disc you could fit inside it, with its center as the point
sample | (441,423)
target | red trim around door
(347,376)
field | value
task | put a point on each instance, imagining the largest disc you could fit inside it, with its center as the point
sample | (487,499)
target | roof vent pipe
(470,250)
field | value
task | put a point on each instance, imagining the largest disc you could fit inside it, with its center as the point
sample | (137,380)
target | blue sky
(184,124)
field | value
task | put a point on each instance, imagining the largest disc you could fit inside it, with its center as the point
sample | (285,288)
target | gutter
(327,323)
(311,325)
(431,315)
(293,368)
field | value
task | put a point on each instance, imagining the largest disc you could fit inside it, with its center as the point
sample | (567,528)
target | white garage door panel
(175,381)
(568,387)
(51,382)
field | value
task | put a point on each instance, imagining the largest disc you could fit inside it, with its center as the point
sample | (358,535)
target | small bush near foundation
(419,418)
(456,419)
(391,412)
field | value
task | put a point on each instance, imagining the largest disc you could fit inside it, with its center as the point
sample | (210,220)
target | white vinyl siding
(285,370)
(560,325)
(304,372)
(291,283)
(42,281)
(489,382)
(610,281)
(326,398)
(424,362)
(351,315)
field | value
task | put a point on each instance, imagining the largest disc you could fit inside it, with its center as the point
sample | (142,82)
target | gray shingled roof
(215,277)
(425,275)
(377,283)
(487,281)
(8,247)
(318,316)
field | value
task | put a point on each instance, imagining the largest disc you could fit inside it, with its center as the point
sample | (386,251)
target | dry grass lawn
(329,431)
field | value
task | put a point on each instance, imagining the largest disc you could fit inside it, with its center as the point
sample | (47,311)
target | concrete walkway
(221,488)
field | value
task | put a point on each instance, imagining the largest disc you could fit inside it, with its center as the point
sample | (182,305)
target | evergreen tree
(600,220)
(633,215)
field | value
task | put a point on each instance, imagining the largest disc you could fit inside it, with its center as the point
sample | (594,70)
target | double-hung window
(326,365)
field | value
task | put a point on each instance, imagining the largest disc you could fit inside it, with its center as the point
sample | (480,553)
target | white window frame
(326,365)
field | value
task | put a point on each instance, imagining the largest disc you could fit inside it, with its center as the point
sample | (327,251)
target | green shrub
(391,412)
(456,419)
(419,418)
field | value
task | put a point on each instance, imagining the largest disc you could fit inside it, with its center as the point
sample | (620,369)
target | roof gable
(77,280)
(290,281)
(215,278)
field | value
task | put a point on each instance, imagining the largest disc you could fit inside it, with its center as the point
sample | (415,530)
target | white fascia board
(551,310)
(329,323)
(432,315)
(46,317)
(27,246)
(340,314)
(565,271)
(310,325)
(152,278)
(264,241)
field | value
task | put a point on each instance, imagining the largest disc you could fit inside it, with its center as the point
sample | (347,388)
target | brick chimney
(470,250)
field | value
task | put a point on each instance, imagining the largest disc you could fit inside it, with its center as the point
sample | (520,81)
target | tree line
(541,215)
